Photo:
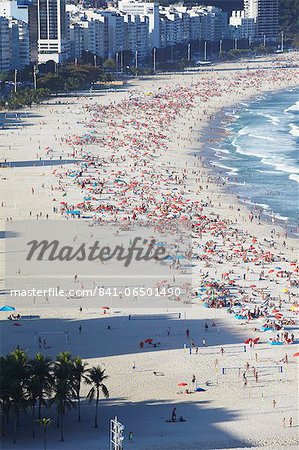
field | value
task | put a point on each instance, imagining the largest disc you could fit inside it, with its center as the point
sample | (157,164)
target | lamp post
(205,51)
(264,38)
(34,76)
(15,82)
(136,62)
(155,50)
(121,60)
(189,52)
(236,44)
(282,41)
(116,62)
(220,46)
(95,60)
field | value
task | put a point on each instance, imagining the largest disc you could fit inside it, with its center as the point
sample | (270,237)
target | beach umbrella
(182,384)
(149,340)
(105,307)
(285,291)
(296,354)
(248,341)
(7,308)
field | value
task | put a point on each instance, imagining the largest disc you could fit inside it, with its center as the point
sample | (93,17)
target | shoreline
(216,123)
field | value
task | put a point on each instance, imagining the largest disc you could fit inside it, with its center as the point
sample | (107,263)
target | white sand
(226,415)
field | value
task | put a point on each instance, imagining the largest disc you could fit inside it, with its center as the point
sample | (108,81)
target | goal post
(42,334)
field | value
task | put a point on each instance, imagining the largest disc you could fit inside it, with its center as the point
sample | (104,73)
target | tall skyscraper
(52,31)
(266,15)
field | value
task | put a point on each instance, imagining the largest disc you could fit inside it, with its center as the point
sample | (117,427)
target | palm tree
(18,402)
(45,423)
(40,368)
(17,373)
(95,378)
(79,369)
(64,390)
(4,391)
(32,388)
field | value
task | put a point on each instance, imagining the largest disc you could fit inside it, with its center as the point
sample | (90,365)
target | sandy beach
(137,155)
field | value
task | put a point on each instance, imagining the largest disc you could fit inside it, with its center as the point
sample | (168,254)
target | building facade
(52,31)
(150,10)
(266,16)
(5,45)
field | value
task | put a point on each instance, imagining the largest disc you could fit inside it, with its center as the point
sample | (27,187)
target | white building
(19,36)
(13,9)
(137,35)
(150,10)
(214,23)
(179,24)
(266,16)
(170,28)
(242,27)
(5,45)
(52,31)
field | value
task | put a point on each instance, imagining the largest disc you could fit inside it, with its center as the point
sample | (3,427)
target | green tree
(45,422)
(95,378)
(41,373)
(64,389)
(79,371)
(18,374)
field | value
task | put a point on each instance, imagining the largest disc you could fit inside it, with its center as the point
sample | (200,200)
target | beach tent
(73,211)
(7,308)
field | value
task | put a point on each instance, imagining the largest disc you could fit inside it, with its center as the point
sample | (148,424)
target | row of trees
(25,97)
(72,77)
(65,78)
(29,384)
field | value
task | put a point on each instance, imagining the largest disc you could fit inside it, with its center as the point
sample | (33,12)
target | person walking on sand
(173,415)
(291,421)
(274,403)
(187,333)
(130,437)
(284,422)
(134,365)
(193,380)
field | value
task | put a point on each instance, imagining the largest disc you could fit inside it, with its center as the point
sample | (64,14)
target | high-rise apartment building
(5,45)
(19,38)
(150,10)
(52,31)
(266,15)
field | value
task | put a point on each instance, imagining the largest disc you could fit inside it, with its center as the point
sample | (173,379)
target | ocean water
(259,156)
